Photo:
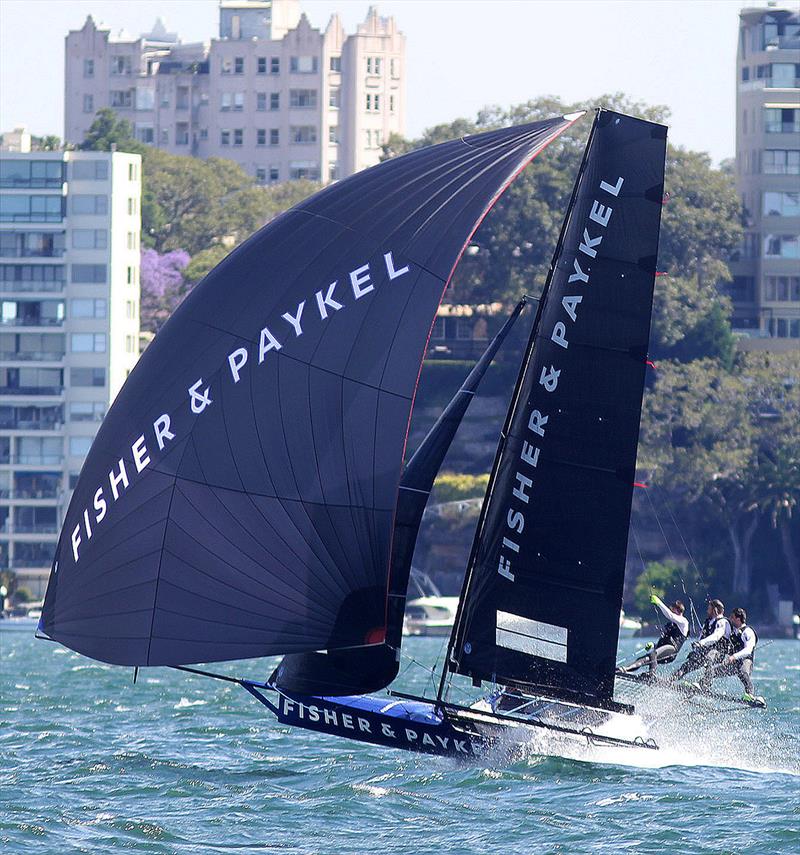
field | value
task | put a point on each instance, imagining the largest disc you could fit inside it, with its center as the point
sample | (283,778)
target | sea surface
(181,764)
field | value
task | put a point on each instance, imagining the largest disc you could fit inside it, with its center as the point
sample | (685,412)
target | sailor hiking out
(739,663)
(672,637)
(714,643)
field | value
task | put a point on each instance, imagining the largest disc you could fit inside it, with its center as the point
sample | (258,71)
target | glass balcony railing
(31,321)
(31,355)
(39,459)
(36,528)
(29,286)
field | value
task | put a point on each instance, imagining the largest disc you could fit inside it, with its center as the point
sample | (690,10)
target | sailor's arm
(679,620)
(719,632)
(749,640)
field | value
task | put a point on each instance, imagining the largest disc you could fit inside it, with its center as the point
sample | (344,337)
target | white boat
(28,621)
(432,615)
(628,627)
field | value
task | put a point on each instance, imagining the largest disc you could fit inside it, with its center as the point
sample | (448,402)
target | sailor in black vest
(714,643)
(672,637)
(740,662)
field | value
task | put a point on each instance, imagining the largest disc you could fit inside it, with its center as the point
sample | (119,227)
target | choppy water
(178,764)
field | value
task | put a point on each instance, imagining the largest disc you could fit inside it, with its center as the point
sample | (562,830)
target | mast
(543,588)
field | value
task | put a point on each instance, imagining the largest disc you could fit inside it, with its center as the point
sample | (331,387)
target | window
(131,206)
(31,173)
(163,137)
(274,173)
(782,246)
(238,65)
(88,274)
(304,169)
(129,278)
(373,102)
(303,134)
(88,342)
(261,175)
(90,170)
(31,277)
(782,289)
(306,98)
(261,101)
(333,170)
(781,204)
(333,134)
(784,327)
(274,136)
(391,103)
(373,65)
(275,65)
(87,411)
(88,103)
(225,137)
(79,445)
(87,308)
(203,133)
(438,332)
(303,64)
(132,242)
(31,209)
(145,98)
(334,97)
(83,203)
(87,376)
(225,101)
(226,65)
(238,101)
(261,136)
(145,133)
(261,65)
(238,136)
(130,309)
(121,98)
(782,162)
(394,67)
(274,100)
(88,68)
(784,75)
(336,63)
(130,344)
(779,120)
(89,238)
(32,244)
(120,65)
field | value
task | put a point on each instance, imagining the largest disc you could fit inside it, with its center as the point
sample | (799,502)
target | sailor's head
(739,618)
(678,607)
(715,608)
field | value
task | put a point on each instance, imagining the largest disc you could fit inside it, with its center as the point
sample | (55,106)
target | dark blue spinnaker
(240,497)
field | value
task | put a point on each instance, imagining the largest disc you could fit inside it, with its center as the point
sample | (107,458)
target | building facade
(272,93)
(766,284)
(69,326)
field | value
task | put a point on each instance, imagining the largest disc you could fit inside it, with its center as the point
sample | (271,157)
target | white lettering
(523,483)
(116,480)
(509,544)
(313,713)
(100,505)
(236,360)
(571,305)
(363,725)
(294,320)
(267,342)
(330,717)
(387,731)
(549,378)
(427,739)
(347,721)
(86,524)
(411,735)
(537,422)
(588,244)
(515,520)
(600,213)
(443,739)
(612,189)
(358,278)
(76,541)
(504,568)
(578,275)
(393,274)
(162,431)
(140,456)
(529,453)
(327,301)
(559,335)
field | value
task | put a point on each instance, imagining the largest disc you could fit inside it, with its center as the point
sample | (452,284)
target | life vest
(737,643)
(724,643)
(671,634)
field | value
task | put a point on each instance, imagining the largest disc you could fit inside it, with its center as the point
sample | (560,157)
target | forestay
(239,498)
(544,586)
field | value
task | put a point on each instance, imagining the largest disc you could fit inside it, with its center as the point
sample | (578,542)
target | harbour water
(179,764)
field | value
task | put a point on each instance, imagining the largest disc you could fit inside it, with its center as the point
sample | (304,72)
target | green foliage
(441,378)
(661,579)
(204,262)
(108,130)
(22,595)
(454,486)
(710,337)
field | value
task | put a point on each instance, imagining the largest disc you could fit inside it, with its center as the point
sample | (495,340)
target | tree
(666,580)
(108,132)
(163,286)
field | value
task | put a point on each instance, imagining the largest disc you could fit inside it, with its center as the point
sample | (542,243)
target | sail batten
(549,553)
(251,463)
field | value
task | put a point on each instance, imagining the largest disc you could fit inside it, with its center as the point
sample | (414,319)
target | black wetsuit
(741,667)
(708,654)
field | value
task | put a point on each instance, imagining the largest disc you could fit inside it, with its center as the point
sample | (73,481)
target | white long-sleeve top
(749,640)
(721,629)
(679,620)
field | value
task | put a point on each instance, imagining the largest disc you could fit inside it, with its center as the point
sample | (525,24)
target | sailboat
(246,495)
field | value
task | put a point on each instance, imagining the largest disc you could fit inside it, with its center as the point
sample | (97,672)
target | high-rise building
(766,285)
(69,327)
(272,93)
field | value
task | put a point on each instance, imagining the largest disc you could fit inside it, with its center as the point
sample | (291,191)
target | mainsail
(239,499)
(543,590)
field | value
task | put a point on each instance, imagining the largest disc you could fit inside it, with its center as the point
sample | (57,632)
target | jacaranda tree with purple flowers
(163,286)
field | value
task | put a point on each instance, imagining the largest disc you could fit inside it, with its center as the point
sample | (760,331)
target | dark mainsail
(239,498)
(367,669)
(543,590)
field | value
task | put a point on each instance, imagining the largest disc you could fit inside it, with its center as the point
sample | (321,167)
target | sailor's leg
(636,664)
(665,653)
(713,672)
(693,661)
(744,671)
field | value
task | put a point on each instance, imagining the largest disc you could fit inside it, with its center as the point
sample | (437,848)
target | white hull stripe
(533,637)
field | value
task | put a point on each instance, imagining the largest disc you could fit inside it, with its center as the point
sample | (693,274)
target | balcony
(31,356)
(31,390)
(36,528)
(32,321)
(28,286)
(39,459)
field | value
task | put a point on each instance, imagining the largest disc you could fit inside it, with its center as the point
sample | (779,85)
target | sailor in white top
(672,637)
(740,662)
(714,641)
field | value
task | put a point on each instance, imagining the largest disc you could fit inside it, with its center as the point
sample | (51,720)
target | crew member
(672,637)
(714,641)
(740,662)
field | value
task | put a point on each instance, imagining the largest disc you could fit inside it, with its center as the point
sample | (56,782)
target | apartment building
(282,99)
(766,284)
(69,326)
